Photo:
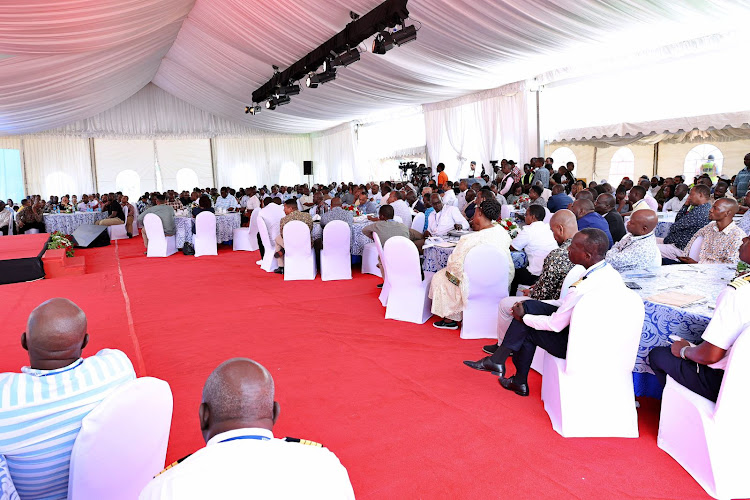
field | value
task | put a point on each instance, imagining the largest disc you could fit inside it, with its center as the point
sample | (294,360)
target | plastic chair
(487,271)
(336,257)
(418,223)
(588,394)
(123,442)
(575,273)
(299,259)
(246,238)
(408,298)
(268,264)
(119,232)
(159,245)
(695,250)
(710,440)
(383,297)
(205,234)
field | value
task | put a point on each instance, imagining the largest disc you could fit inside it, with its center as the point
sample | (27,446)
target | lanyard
(598,266)
(254,437)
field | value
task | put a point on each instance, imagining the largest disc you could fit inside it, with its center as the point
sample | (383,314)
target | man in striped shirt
(41,408)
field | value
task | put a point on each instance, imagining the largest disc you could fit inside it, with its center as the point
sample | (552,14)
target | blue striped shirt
(40,416)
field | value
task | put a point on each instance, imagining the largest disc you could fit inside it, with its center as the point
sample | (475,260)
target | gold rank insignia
(173,464)
(577,283)
(302,441)
(738,283)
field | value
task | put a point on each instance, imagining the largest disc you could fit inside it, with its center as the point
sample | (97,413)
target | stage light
(277,101)
(347,58)
(288,90)
(405,35)
(383,43)
(253,110)
(316,79)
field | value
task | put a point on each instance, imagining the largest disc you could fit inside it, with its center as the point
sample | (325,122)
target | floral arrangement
(354,210)
(510,226)
(60,240)
(522,201)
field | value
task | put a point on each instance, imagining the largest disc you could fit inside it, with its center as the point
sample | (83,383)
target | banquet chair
(575,273)
(505,211)
(710,440)
(385,290)
(32,231)
(246,238)
(268,263)
(159,245)
(122,443)
(408,298)
(486,270)
(695,250)
(547,215)
(135,219)
(398,218)
(119,232)
(418,223)
(205,234)
(299,257)
(589,394)
(335,257)
(370,259)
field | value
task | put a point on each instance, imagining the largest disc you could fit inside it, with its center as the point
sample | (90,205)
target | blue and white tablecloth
(67,223)
(661,321)
(225,226)
(662,229)
(358,242)
(436,258)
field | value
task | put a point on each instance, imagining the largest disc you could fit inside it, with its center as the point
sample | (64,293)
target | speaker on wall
(89,235)
(308,168)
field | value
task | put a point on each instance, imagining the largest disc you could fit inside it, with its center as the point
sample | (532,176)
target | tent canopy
(63,62)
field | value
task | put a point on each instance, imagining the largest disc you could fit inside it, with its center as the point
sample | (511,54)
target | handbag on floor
(188,249)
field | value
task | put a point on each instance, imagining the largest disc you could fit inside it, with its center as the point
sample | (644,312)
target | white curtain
(261,160)
(383,144)
(183,159)
(125,165)
(286,155)
(335,153)
(57,166)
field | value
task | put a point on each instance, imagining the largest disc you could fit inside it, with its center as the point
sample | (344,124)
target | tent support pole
(656,160)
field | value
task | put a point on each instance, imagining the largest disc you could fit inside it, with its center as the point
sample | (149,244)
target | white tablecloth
(225,226)
(67,223)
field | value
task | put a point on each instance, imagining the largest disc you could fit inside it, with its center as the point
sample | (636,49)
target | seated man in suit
(701,368)
(242,458)
(605,206)
(42,407)
(587,218)
(537,323)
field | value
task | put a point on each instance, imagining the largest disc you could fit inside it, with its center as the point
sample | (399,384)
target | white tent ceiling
(63,61)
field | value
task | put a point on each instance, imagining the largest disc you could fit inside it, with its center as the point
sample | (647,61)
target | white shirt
(402,209)
(537,241)
(651,201)
(546,193)
(641,204)
(674,204)
(731,317)
(272,215)
(253,468)
(228,202)
(449,198)
(305,198)
(252,202)
(461,200)
(441,222)
(82,207)
(601,278)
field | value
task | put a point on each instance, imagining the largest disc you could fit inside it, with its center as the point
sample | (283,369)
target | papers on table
(676,299)
(437,241)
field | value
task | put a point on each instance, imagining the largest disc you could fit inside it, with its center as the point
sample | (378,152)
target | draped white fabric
(335,155)
(72,60)
(185,163)
(58,165)
(126,165)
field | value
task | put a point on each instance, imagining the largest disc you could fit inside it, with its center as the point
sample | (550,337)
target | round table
(67,223)
(436,258)
(359,240)
(225,226)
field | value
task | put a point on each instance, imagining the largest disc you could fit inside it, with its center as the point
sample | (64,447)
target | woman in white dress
(449,287)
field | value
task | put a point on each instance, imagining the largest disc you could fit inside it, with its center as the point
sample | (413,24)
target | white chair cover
(119,232)
(611,321)
(159,245)
(122,443)
(370,259)
(135,219)
(268,263)
(383,297)
(205,234)
(408,298)
(32,231)
(299,259)
(547,216)
(12,221)
(487,271)
(575,273)
(417,223)
(246,238)
(695,250)
(398,218)
(505,211)
(709,440)
(335,257)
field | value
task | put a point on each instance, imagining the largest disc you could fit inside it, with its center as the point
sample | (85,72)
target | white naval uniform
(250,463)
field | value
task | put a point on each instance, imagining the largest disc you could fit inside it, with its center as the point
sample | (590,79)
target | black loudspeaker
(89,236)
(308,168)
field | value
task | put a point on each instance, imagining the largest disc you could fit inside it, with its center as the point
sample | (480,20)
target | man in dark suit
(605,206)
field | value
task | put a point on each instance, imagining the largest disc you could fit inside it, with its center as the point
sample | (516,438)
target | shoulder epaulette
(302,441)
(173,464)
(577,283)
(740,282)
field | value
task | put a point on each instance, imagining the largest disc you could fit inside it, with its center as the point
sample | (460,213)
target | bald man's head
(238,394)
(642,222)
(723,210)
(564,225)
(55,334)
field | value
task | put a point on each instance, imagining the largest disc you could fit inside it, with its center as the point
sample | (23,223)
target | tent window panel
(564,155)
(705,158)
(622,165)
(11,175)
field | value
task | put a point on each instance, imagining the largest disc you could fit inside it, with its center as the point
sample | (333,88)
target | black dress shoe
(486,365)
(380,285)
(279,270)
(490,349)
(510,384)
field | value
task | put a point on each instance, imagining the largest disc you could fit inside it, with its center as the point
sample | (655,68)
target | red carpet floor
(391,399)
